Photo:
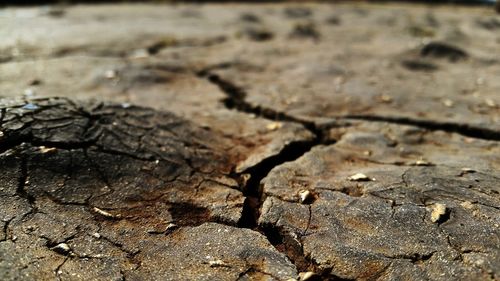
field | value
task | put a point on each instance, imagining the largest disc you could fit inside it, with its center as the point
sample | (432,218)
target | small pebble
(386,98)
(490,103)
(44,149)
(423,163)
(448,103)
(467,205)
(305,196)
(360,177)
(438,210)
(140,54)
(307,275)
(96,235)
(62,248)
(110,74)
(217,263)
(274,126)
(465,171)
(29,92)
(171,227)
(104,213)
(30,106)
(126,105)
(1,134)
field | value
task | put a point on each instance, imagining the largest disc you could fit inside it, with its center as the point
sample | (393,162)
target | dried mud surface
(249,142)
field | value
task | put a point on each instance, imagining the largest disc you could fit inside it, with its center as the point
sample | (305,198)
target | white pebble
(438,210)
(360,177)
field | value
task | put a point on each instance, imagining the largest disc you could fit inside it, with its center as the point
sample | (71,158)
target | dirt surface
(249,142)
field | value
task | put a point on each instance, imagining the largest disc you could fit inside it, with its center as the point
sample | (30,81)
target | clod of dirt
(304,30)
(443,50)
(257,34)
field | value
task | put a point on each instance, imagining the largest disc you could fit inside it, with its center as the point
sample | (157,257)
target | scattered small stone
(1,134)
(30,106)
(360,177)
(438,210)
(274,126)
(126,105)
(61,248)
(467,205)
(29,92)
(385,98)
(422,162)
(309,275)
(140,54)
(171,227)
(465,171)
(448,102)
(217,263)
(305,196)
(490,103)
(104,213)
(44,149)
(96,235)
(110,74)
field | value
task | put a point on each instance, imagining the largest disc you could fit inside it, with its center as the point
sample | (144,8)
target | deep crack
(462,129)
(23,181)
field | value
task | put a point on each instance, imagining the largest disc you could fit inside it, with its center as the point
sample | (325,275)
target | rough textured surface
(384,223)
(249,142)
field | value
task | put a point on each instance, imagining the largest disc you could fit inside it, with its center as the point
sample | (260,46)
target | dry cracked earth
(249,142)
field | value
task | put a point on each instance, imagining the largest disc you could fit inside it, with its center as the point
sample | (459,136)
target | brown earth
(249,142)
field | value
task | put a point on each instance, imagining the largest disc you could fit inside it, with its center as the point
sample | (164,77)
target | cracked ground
(249,142)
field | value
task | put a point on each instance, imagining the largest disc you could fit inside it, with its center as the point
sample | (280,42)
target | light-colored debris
(62,248)
(305,196)
(360,177)
(467,205)
(422,162)
(171,227)
(96,235)
(274,126)
(385,98)
(104,213)
(490,103)
(44,149)
(217,263)
(110,74)
(29,92)
(304,276)
(448,103)
(465,171)
(438,210)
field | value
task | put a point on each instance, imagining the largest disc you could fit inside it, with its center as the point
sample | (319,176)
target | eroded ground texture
(249,142)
